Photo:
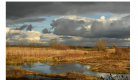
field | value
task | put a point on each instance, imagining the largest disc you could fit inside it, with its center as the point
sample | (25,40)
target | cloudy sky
(71,23)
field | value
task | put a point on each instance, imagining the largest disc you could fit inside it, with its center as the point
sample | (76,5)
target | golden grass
(101,61)
(18,73)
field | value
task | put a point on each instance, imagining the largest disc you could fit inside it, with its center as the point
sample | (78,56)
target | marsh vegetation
(100,57)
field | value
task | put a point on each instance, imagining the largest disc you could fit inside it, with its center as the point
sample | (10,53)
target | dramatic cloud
(111,28)
(45,31)
(67,25)
(114,27)
(21,28)
(29,27)
(81,41)
(14,36)
(23,20)
(7,30)
(16,10)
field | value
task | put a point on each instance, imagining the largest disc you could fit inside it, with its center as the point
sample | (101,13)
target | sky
(71,23)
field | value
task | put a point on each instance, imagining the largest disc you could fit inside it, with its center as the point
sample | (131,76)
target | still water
(74,67)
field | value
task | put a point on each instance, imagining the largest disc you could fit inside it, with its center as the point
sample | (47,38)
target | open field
(109,60)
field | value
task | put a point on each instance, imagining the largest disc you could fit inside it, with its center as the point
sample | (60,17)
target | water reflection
(37,77)
(74,67)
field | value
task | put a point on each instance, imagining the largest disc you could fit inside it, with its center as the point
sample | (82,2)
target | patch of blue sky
(44,24)
(49,19)
(98,15)
(78,28)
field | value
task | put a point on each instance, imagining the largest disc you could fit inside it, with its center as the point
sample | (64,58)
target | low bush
(80,47)
(114,45)
(101,45)
(94,49)
(122,50)
(61,47)
(72,47)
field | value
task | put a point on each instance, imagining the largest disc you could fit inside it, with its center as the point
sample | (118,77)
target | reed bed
(20,55)
(118,60)
(42,52)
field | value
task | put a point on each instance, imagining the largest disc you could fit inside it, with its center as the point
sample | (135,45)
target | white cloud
(128,39)
(88,28)
(33,33)
(27,36)
(102,18)
(7,30)
(76,18)
(113,27)
(76,38)
(16,32)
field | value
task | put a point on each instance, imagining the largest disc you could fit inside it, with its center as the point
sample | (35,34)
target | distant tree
(114,45)
(20,44)
(40,45)
(72,47)
(8,44)
(37,45)
(32,44)
(81,47)
(101,45)
(26,45)
(15,45)
(52,42)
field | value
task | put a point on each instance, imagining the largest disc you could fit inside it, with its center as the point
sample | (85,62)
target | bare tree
(20,43)
(37,45)
(32,44)
(52,42)
(101,45)
(114,45)
(8,44)
(40,45)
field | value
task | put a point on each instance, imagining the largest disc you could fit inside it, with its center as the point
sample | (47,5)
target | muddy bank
(19,74)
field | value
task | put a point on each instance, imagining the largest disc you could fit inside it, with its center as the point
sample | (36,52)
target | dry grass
(120,54)
(118,62)
(21,55)
(18,73)
(102,61)
(61,47)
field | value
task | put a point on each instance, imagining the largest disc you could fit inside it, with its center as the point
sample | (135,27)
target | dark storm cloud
(65,37)
(91,41)
(21,28)
(45,31)
(29,27)
(116,29)
(23,20)
(16,10)
(13,33)
(64,26)
(111,29)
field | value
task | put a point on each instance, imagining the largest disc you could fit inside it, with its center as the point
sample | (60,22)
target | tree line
(53,43)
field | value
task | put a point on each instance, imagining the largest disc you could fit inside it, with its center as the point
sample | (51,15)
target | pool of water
(74,67)
(37,77)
